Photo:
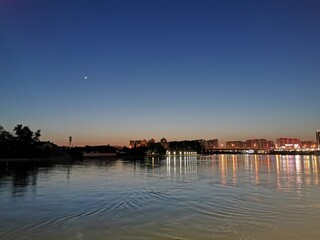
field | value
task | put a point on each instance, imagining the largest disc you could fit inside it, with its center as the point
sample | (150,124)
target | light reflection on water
(207,197)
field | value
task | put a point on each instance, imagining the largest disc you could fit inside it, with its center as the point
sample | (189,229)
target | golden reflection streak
(307,169)
(234,169)
(168,168)
(288,182)
(180,169)
(315,169)
(298,164)
(212,167)
(175,167)
(269,168)
(256,163)
(223,170)
(246,162)
(278,172)
(297,161)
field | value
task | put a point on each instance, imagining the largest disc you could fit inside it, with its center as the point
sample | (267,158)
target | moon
(85,77)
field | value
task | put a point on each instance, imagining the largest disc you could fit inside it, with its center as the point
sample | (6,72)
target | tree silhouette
(25,135)
(37,135)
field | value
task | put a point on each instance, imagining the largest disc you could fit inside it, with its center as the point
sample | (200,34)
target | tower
(318,139)
(70,141)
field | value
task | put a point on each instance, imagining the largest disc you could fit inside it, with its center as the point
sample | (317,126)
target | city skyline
(107,72)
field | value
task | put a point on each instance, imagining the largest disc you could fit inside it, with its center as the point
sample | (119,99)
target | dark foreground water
(213,197)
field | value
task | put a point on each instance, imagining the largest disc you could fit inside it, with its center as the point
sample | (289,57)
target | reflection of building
(318,138)
(288,143)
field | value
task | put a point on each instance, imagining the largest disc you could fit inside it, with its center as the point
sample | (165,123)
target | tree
(20,144)
(5,136)
(25,135)
(37,135)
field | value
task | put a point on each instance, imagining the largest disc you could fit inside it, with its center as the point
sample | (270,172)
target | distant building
(212,144)
(45,145)
(138,143)
(234,144)
(262,144)
(308,145)
(288,143)
(203,143)
(318,138)
(135,143)
(258,144)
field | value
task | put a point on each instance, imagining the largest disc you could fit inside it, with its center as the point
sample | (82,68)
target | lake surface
(207,197)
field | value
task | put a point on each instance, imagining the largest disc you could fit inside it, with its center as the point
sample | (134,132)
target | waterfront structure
(180,153)
(318,138)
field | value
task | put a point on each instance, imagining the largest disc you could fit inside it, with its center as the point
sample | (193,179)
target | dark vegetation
(24,143)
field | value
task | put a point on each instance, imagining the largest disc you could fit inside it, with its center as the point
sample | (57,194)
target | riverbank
(87,156)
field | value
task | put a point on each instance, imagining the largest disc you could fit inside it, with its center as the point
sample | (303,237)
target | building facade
(262,144)
(212,144)
(138,143)
(258,144)
(288,143)
(135,143)
(308,145)
(234,144)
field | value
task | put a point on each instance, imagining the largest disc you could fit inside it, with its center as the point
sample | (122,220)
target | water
(211,197)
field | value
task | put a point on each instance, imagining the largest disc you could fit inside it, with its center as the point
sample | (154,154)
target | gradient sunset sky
(175,69)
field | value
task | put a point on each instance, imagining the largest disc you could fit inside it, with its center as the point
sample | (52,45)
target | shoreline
(70,158)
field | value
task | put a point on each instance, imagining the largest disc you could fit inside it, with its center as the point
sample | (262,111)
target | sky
(105,72)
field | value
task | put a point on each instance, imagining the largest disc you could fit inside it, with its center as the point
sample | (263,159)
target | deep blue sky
(176,69)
